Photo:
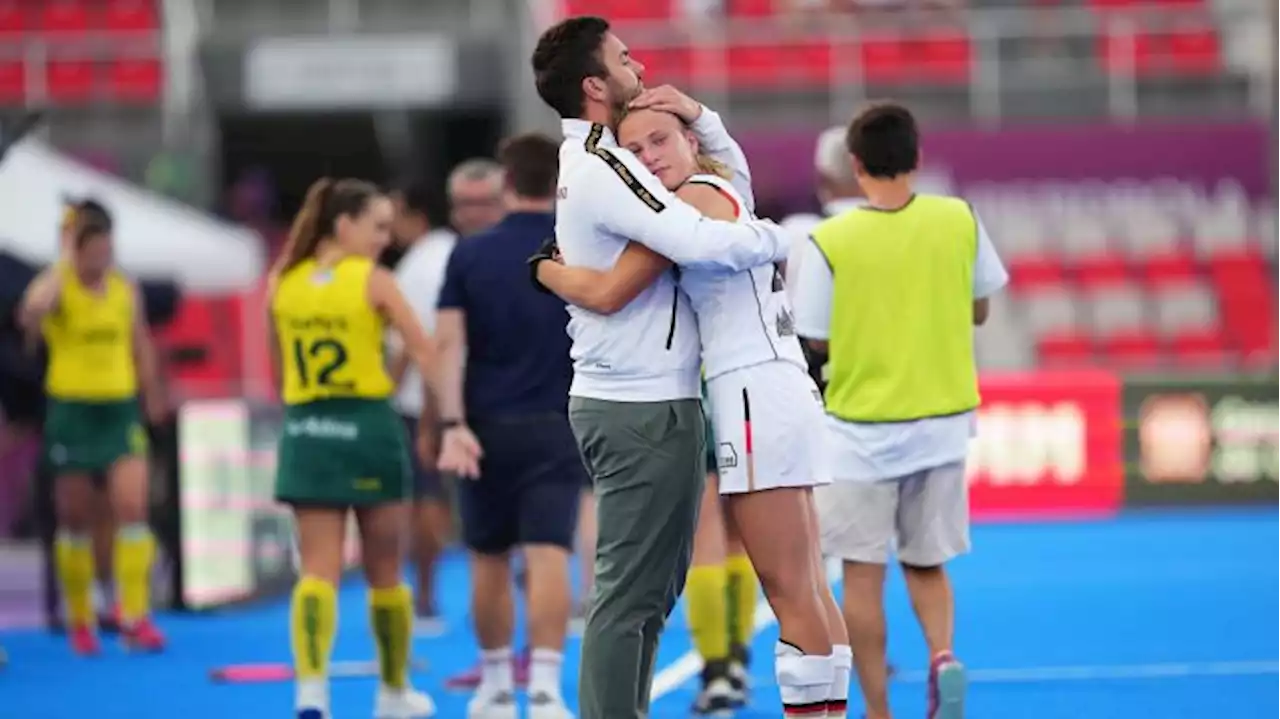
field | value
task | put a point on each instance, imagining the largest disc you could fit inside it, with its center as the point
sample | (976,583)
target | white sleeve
(813,293)
(989,274)
(630,202)
(714,140)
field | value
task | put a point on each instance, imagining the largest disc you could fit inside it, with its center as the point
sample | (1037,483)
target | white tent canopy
(155,237)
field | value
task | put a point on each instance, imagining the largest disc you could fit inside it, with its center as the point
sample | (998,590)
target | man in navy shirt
(504,386)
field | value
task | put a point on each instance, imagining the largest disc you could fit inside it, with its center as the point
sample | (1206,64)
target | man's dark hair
(532,164)
(568,53)
(885,139)
(415,196)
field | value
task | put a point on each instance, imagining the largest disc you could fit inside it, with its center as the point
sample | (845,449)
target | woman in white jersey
(765,411)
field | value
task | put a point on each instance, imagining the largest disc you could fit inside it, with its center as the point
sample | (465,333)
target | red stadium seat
(130,16)
(1194,51)
(751,8)
(1168,268)
(668,65)
(1031,271)
(884,58)
(1199,349)
(1066,349)
(780,64)
(70,81)
(13,17)
(13,83)
(135,80)
(943,55)
(1132,350)
(1101,269)
(64,17)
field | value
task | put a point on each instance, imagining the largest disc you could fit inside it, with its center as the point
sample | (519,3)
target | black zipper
(675,305)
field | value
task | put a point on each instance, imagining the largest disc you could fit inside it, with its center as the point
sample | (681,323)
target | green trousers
(648,466)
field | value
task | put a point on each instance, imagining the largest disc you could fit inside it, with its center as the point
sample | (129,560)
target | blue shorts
(531,481)
(427,482)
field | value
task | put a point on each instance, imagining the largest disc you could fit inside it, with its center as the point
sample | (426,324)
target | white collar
(582,130)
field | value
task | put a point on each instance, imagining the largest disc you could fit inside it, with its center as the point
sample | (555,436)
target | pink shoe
(470,679)
(947,684)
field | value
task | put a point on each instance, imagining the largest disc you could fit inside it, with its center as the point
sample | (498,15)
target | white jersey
(744,318)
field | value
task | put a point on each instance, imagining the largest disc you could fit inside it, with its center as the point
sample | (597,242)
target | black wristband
(448,424)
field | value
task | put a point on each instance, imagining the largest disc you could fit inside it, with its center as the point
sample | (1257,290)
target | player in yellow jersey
(100,352)
(343,446)
(720,598)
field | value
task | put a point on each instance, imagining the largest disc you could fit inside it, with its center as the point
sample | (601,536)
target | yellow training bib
(330,336)
(901,335)
(90,340)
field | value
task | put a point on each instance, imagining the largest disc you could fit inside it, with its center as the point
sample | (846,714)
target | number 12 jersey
(330,336)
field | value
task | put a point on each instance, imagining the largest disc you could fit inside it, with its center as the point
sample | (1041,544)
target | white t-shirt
(867,452)
(744,318)
(420,276)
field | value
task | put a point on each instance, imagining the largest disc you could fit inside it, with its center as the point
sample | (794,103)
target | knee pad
(802,677)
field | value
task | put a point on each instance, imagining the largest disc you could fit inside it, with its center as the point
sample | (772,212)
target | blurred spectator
(251,202)
(475,196)
(171,174)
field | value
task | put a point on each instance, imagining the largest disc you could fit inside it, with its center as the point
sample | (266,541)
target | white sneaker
(311,699)
(547,706)
(405,703)
(492,705)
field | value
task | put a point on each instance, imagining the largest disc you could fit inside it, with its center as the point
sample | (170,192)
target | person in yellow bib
(343,446)
(892,289)
(91,317)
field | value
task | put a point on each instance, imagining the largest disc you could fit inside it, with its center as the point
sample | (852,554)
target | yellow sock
(391,614)
(313,623)
(742,599)
(135,550)
(74,558)
(705,596)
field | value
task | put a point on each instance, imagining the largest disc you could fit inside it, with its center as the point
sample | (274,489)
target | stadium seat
(1066,350)
(1194,52)
(64,17)
(779,64)
(13,83)
(1033,271)
(667,65)
(130,16)
(70,81)
(943,55)
(1199,350)
(13,18)
(751,8)
(1138,349)
(1170,268)
(1116,310)
(1185,307)
(135,80)
(884,58)
(1101,270)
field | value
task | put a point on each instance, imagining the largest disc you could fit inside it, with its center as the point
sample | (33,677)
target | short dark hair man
(901,394)
(503,387)
(634,402)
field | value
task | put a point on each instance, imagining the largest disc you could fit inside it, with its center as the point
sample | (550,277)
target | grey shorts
(924,516)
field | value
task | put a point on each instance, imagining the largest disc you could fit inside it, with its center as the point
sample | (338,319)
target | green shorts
(712,464)
(344,453)
(92,436)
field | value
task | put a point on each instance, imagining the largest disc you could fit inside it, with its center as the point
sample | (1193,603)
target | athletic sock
(841,665)
(742,597)
(313,623)
(135,550)
(497,674)
(544,672)
(73,555)
(391,613)
(706,600)
(804,681)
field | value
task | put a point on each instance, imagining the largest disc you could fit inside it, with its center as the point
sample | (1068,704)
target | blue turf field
(1146,616)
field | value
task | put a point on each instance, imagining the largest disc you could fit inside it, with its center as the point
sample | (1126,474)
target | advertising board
(1047,444)
(1191,441)
(236,542)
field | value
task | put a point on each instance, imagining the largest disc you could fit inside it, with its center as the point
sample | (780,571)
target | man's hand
(461,453)
(548,251)
(427,448)
(666,98)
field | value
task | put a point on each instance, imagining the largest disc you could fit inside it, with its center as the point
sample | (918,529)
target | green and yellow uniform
(92,381)
(882,369)
(342,443)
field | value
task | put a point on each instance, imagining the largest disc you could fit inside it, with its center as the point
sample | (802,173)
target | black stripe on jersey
(764,324)
(825,259)
(619,169)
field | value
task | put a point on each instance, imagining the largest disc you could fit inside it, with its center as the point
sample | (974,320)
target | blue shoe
(947,686)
